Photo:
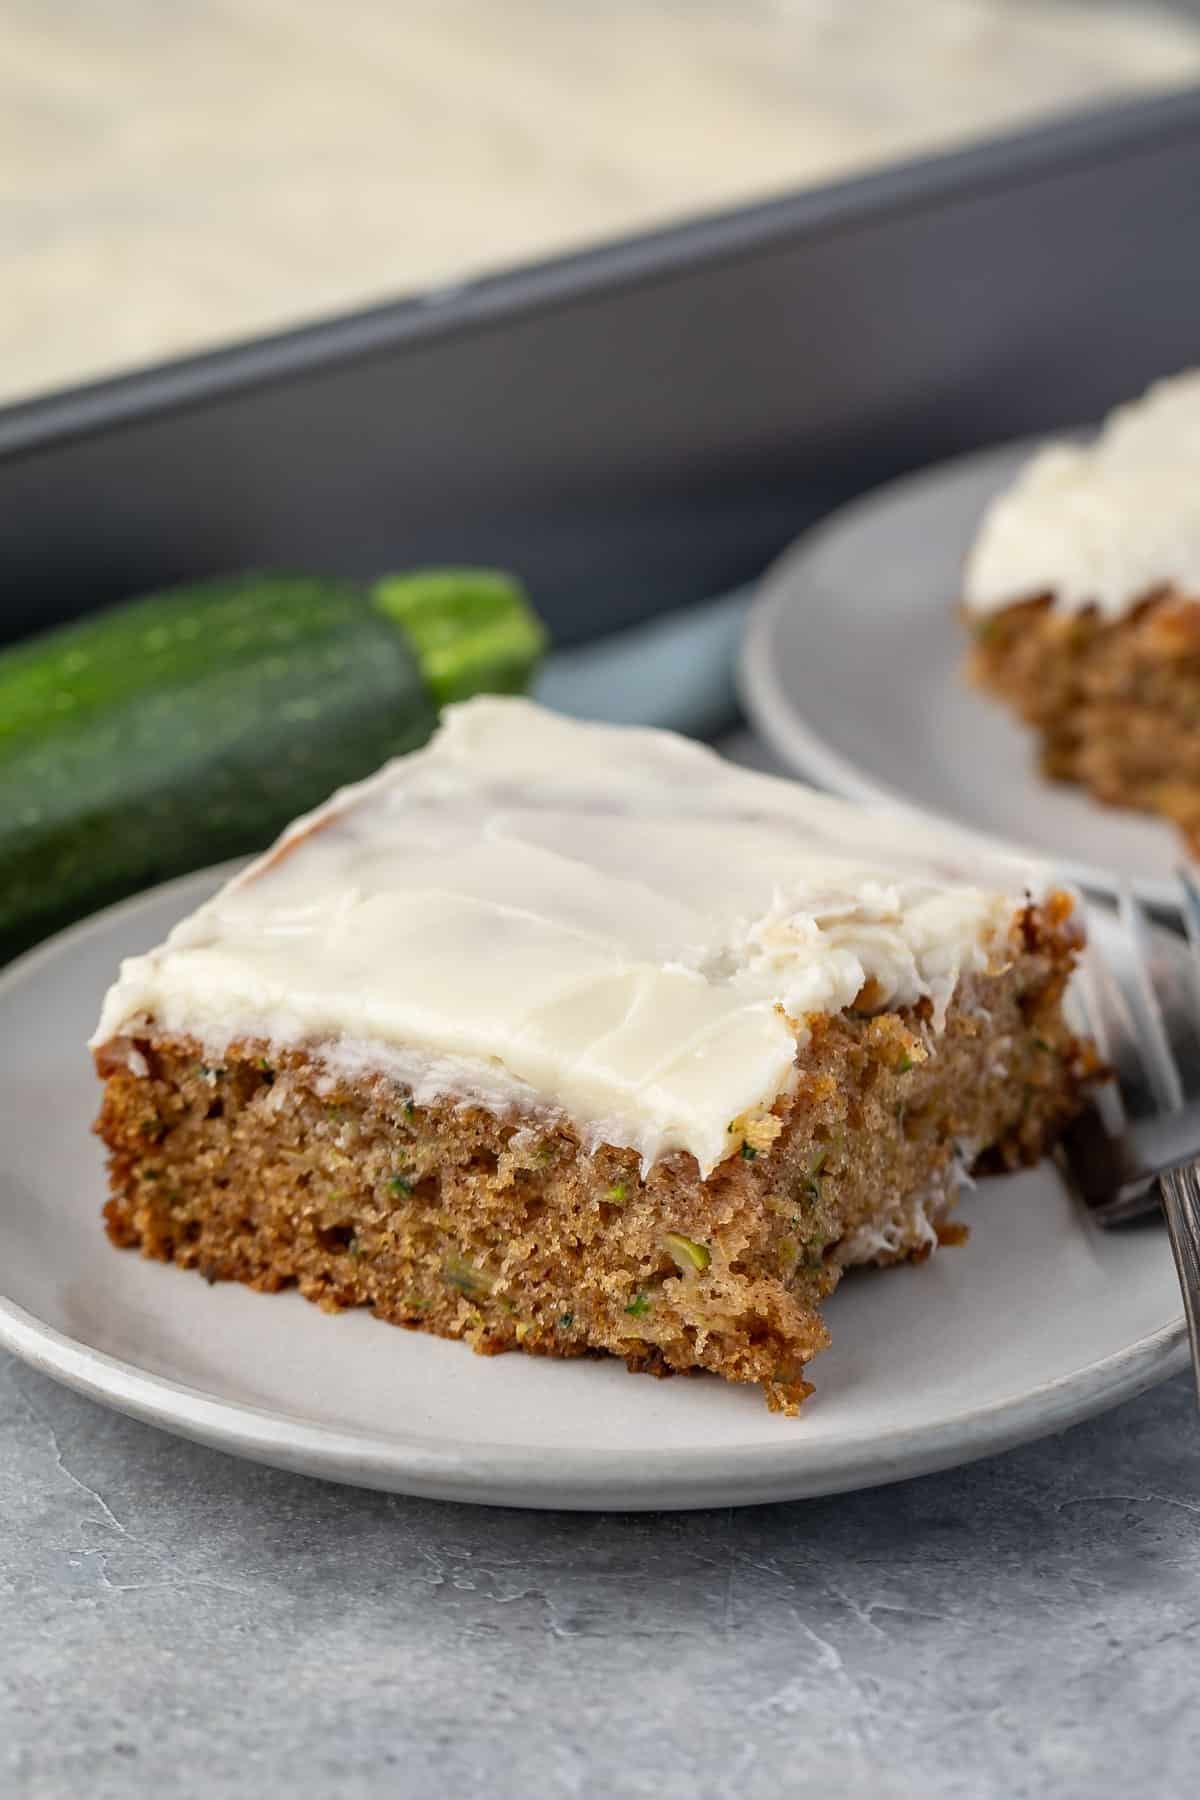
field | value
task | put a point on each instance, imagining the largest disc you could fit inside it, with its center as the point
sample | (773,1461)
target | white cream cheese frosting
(613,925)
(1102,524)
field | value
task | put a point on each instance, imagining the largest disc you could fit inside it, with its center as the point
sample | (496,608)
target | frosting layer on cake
(1104,524)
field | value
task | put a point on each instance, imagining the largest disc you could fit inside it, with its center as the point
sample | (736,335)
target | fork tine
(1162,1071)
(1191,906)
(1106,1020)
(1190,909)
(1181,1187)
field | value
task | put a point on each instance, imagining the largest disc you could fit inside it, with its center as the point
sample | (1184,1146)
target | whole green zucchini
(192,725)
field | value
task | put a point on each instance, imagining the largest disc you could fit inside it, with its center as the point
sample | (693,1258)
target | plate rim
(806,752)
(584,1479)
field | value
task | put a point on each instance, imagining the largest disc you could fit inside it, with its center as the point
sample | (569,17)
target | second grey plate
(852,669)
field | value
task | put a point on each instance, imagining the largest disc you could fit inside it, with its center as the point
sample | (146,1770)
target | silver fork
(1137,1145)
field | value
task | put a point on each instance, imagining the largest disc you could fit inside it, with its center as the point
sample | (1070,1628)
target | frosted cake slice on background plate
(1083,593)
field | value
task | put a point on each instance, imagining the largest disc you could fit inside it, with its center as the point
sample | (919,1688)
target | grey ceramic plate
(852,669)
(1040,1320)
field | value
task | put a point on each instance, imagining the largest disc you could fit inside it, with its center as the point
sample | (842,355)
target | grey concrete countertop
(174,1622)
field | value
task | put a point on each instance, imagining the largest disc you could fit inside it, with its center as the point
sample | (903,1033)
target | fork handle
(1180,1189)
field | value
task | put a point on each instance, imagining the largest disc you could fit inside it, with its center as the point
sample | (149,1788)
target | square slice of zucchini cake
(1082,592)
(573,1039)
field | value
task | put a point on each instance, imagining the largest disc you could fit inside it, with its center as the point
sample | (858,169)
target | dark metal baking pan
(648,422)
